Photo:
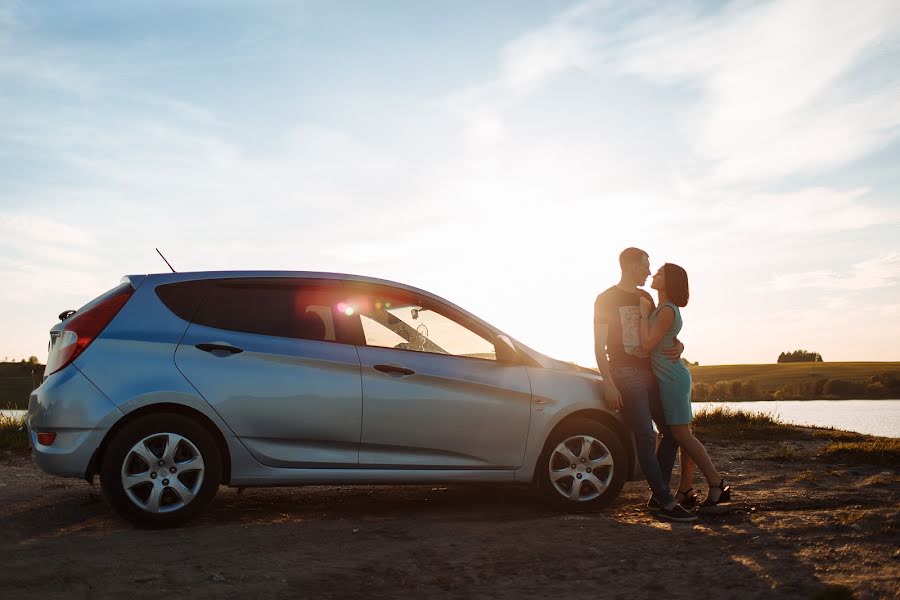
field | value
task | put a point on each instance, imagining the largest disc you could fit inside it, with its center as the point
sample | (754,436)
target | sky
(500,154)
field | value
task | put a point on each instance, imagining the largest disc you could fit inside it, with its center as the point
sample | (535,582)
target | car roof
(159,278)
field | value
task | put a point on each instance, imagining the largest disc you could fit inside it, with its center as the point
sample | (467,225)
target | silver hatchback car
(171,384)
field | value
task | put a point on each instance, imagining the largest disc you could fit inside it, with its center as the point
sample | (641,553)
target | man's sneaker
(653,504)
(678,514)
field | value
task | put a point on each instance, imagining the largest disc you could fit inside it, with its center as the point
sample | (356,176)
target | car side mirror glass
(505,350)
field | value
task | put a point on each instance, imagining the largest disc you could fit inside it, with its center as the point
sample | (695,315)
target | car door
(264,354)
(434,395)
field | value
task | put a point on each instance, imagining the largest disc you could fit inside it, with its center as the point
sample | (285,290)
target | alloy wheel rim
(581,468)
(162,473)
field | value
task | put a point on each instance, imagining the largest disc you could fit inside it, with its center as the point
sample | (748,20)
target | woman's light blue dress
(674,378)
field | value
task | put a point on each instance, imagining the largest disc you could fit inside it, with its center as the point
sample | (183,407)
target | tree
(799,356)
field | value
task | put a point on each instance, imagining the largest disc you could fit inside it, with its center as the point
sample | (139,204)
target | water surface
(875,417)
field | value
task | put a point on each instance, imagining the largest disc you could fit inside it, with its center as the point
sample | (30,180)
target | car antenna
(164,258)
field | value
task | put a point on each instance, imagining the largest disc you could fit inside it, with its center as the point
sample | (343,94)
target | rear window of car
(184,297)
(281,309)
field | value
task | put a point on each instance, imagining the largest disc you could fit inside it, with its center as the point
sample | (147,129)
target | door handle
(394,370)
(213,348)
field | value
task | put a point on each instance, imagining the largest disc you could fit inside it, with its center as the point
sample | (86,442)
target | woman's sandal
(724,494)
(688,498)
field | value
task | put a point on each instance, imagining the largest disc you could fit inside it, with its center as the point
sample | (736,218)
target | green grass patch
(724,422)
(836,435)
(11,438)
(785,453)
(883,452)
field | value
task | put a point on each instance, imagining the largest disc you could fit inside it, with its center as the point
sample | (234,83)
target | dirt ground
(794,529)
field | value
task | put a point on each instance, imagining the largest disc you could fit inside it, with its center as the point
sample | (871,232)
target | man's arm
(674,353)
(601,335)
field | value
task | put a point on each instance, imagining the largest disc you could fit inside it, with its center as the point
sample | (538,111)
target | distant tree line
(799,356)
(31,360)
(883,385)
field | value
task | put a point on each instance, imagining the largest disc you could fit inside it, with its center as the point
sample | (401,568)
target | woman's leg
(686,468)
(697,452)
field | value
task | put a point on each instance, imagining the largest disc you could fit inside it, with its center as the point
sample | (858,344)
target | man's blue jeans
(640,395)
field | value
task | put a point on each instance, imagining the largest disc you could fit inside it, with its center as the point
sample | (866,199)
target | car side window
(303,312)
(406,324)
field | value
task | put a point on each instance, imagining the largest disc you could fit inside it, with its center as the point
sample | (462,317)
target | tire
(602,466)
(161,495)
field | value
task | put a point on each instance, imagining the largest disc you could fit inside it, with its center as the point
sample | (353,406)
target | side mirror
(505,350)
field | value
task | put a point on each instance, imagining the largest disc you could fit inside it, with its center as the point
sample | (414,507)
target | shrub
(844,389)
(735,424)
(749,389)
(11,438)
(702,392)
(876,390)
(882,452)
(722,388)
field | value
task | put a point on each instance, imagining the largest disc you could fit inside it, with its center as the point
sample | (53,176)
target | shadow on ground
(381,541)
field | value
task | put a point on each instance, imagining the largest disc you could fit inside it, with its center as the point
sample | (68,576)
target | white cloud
(527,62)
(558,168)
(877,272)
(532,58)
(817,211)
(776,82)
(32,229)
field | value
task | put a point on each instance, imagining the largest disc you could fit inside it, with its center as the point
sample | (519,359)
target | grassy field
(802,380)
(777,375)
(17,379)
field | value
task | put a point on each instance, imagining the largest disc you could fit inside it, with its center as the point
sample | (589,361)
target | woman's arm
(651,336)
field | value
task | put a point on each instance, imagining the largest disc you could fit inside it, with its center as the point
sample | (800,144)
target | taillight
(82,328)
(46,438)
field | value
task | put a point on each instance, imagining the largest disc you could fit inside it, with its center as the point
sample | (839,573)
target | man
(630,384)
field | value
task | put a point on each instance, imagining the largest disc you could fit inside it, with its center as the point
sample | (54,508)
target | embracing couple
(640,359)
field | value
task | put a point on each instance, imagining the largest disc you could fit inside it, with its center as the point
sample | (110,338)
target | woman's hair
(676,284)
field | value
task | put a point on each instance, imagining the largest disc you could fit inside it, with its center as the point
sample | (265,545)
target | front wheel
(583,466)
(160,470)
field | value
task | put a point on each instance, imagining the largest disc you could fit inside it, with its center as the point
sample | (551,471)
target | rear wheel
(161,470)
(583,466)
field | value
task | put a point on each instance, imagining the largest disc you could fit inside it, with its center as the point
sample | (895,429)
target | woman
(657,332)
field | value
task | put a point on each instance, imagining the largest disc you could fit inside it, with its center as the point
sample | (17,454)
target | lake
(875,417)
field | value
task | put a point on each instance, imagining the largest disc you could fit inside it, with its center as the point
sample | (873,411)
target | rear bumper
(68,404)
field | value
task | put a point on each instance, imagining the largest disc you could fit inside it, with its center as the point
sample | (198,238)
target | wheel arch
(164,407)
(604,418)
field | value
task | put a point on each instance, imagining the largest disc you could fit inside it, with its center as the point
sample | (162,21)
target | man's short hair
(630,256)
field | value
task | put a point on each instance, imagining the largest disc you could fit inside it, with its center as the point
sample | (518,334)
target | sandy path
(793,529)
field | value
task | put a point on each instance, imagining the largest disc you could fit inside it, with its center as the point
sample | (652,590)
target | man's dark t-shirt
(620,311)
